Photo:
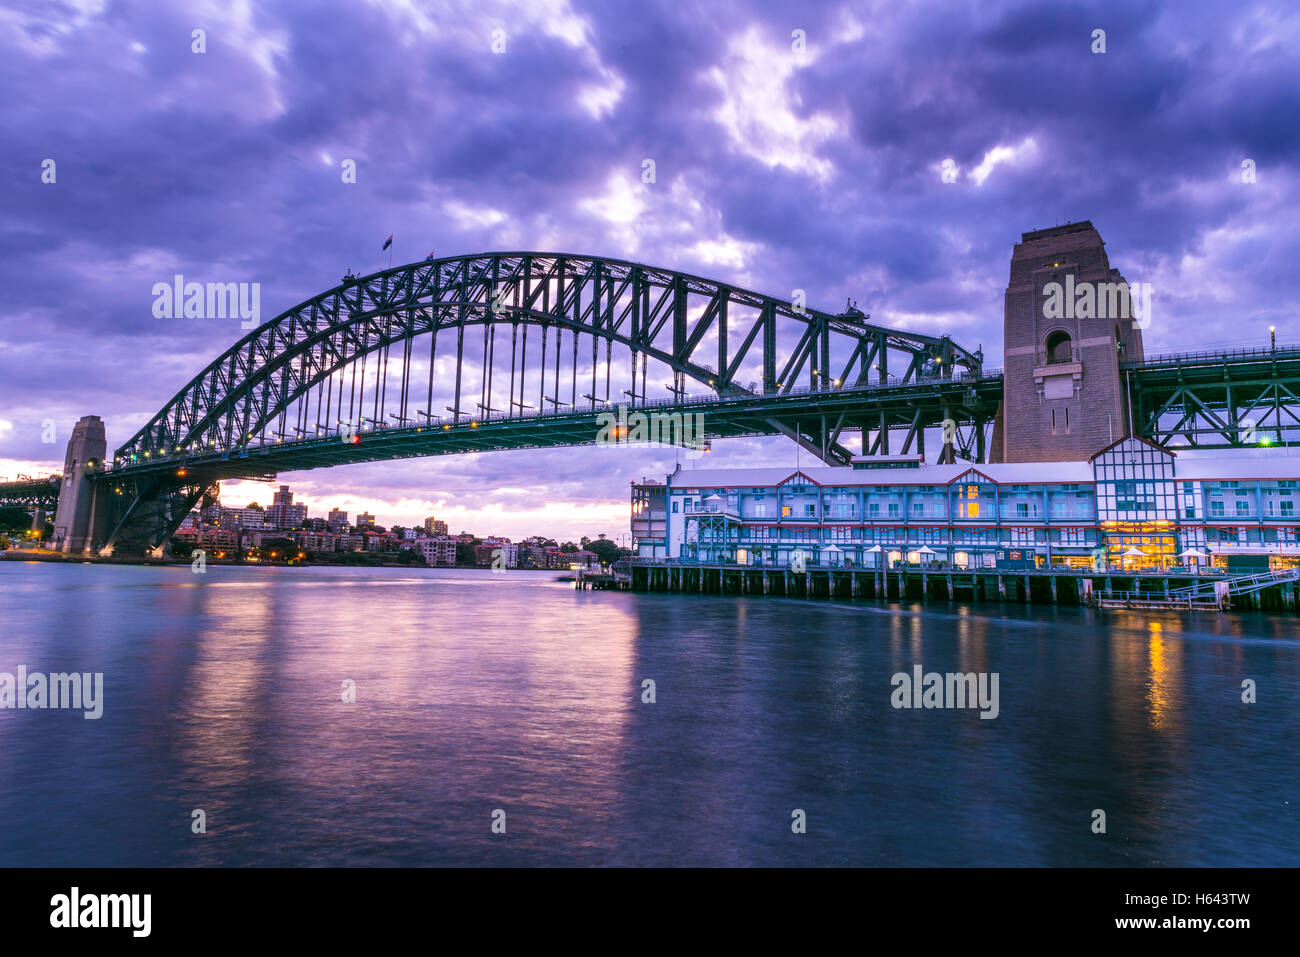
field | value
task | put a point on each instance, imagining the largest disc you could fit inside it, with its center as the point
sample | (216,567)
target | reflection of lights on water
(1161,690)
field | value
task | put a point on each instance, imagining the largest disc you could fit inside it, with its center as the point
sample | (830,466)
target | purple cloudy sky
(775,171)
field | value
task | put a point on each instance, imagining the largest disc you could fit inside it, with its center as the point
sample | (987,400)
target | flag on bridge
(388,242)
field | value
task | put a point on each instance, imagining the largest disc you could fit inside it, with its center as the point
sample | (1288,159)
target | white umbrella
(1193,553)
(832,548)
(875,548)
(926,550)
(1132,550)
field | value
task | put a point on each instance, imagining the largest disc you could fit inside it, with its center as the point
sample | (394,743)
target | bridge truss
(522,349)
(1224,400)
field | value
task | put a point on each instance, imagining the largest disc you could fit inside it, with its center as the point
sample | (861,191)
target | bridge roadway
(818,415)
(1212,400)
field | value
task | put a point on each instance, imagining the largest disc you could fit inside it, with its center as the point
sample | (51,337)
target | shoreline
(29,555)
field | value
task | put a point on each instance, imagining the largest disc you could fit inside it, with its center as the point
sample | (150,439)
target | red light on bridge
(182,472)
(356,440)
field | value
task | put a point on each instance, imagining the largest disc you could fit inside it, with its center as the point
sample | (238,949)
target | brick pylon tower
(1067,326)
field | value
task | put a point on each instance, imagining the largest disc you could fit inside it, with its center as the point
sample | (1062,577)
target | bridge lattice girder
(28,492)
(1218,400)
(651,313)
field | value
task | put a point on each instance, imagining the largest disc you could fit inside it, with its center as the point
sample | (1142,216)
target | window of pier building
(927,501)
(1069,500)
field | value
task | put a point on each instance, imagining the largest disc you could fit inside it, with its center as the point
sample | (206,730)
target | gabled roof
(1132,438)
(799,474)
(966,477)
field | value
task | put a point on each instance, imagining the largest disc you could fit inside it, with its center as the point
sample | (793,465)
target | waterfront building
(337,520)
(649,515)
(583,559)
(1133,505)
(439,551)
(485,555)
(365,519)
(434,527)
(381,541)
(317,541)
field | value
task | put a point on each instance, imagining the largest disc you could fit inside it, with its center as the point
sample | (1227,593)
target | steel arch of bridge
(650,313)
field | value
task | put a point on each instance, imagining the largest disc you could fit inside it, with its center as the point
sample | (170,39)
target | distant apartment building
(434,527)
(411,534)
(382,542)
(365,519)
(317,541)
(438,551)
(552,556)
(496,552)
(283,513)
(337,520)
(243,518)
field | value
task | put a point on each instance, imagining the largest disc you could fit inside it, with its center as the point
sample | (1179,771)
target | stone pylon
(80,518)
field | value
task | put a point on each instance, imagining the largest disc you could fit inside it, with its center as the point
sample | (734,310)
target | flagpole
(390,255)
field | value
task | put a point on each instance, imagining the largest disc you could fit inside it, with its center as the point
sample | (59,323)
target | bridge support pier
(82,514)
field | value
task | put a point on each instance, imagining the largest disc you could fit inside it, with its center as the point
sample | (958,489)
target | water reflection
(476,692)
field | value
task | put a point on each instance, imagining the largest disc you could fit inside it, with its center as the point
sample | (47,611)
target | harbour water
(478,693)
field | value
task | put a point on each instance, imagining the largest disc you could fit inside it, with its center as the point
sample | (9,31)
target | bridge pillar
(81,515)
(38,519)
(1064,396)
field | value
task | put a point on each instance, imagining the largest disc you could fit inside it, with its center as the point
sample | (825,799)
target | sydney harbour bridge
(514,350)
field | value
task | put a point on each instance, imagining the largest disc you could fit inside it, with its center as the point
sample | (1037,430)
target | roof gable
(798,477)
(1131,438)
(973,475)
